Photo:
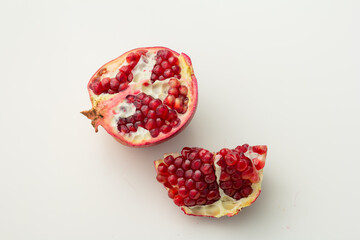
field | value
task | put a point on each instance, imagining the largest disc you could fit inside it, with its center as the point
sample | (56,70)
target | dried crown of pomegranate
(213,184)
(143,97)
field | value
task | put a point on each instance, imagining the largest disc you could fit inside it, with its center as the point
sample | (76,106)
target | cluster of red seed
(190,177)
(150,114)
(122,79)
(167,65)
(237,172)
(177,98)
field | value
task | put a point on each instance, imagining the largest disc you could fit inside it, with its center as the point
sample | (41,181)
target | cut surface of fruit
(143,97)
(210,184)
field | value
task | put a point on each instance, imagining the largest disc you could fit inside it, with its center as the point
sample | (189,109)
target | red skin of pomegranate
(213,184)
(106,102)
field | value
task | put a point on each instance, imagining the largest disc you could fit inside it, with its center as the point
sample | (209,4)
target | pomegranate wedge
(210,184)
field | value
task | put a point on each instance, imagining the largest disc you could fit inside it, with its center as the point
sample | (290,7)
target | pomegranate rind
(104,105)
(226,206)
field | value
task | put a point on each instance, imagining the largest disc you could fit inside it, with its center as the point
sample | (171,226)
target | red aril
(143,97)
(213,184)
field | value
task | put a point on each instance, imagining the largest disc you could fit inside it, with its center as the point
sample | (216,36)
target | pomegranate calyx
(94,116)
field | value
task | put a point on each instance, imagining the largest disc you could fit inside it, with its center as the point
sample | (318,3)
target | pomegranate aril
(226,185)
(204,193)
(178,76)
(224,176)
(246,191)
(132,57)
(186,164)
(165,129)
(224,151)
(172,169)
(169,160)
(200,186)
(158,60)
(230,169)
(206,168)
(194,194)
(173,60)
(178,161)
(169,100)
(213,186)
(130,98)
(221,163)
(190,184)
(241,149)
(189,202)
(162,111)
(162,169)
(159,122)
(138,115)
(124,129)
(176,69)
(259,149)
(154,132)
(179,172)
(196,164)
(137,103)
(97,87)
(105,83)
(122,121)
(207,158)
(121,77)
(146,100)
(247,174)
(183,192)
(131,127)
(237,196)
(150,124)
(126,69)
(181,182)
(144,109)
(236,176)
(151,114)
(178,200)
(153,77)
(130,119)
(174,83)
(238,184)
(165,64)
(168,73)
(200,201)
(172,192)
(210,178)
(174,92)
(132,64)
(139,124)
(188,173)
(153,104)
(130,77)
(231,159)
(158,70)
(161,178)
(212,195)
(183,90)
(123,86)
(230,192)
(172,179)
(171,115)
(241,165)
(164,54)
(110,91)
(161,78)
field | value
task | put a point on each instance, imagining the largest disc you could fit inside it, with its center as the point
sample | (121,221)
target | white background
(281,73)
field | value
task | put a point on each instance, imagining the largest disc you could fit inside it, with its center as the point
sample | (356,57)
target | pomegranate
(210,184)
(143,97)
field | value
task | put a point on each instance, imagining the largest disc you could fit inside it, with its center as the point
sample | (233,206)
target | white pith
(225,205)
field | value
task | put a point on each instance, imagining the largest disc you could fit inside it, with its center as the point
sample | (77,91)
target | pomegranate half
(213,184)
(143,97)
